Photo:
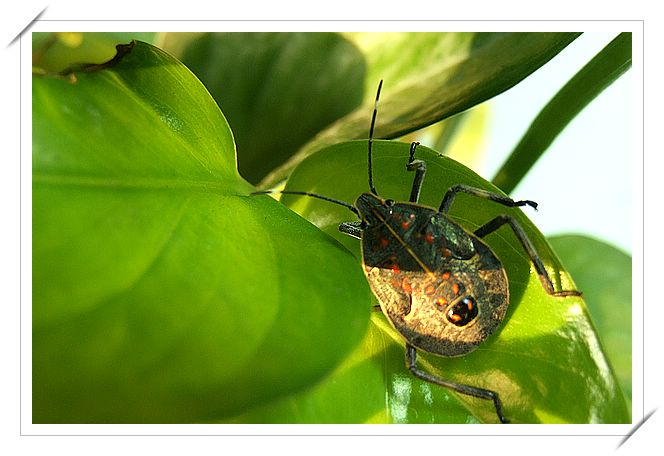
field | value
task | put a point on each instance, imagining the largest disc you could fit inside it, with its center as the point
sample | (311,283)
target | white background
(597,440)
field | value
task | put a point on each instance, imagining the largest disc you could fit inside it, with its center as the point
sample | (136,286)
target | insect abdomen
(436,301)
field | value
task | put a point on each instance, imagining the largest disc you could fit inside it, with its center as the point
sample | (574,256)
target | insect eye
(389,202)
(463,312)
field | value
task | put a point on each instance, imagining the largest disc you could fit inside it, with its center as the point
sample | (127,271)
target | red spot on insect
(391,263)
(455,317)
(405,224)
(446,275)
(446,253)
(429,290)
(455,288)
(428,237)
(384,243)
(406,286)
(441,301)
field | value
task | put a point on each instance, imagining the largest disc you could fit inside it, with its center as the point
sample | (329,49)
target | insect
(440,286)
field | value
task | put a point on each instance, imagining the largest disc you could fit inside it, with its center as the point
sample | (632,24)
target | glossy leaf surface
(162,291)
(604,273)
(371,386)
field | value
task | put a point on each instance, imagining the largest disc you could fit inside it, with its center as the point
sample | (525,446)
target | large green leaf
(546,361)
(604,273)
(427,91)
(162,291)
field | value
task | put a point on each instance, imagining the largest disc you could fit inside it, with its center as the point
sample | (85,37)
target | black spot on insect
(463,312)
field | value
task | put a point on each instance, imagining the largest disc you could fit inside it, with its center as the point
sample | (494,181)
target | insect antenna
(371,132)
(313,195)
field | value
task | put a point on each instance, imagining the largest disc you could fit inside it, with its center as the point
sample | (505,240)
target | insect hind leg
(411,364)
(501,220)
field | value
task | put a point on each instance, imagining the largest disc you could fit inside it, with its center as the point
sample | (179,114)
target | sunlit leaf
(162,291)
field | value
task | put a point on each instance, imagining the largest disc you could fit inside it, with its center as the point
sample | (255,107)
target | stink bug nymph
(440,286)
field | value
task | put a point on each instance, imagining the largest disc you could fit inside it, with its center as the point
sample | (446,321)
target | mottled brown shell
(441,287)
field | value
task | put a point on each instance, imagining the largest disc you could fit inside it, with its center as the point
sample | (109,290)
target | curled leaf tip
(69,73)
(121,50)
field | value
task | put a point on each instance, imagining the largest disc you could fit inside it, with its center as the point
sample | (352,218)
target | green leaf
(277,89)
(546,361)
(162,291)
(604,273)
(355,392)
(396,57)
(590,81)
(492,63)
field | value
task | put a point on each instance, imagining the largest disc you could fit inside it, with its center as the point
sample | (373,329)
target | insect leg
(501,220)
(411,359)
(420,168)
(353,229)
(501,199)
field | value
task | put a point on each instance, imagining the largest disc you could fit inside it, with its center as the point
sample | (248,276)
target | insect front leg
(420,168)
(501,220)
(353,229)
(478,192)
(411,364)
